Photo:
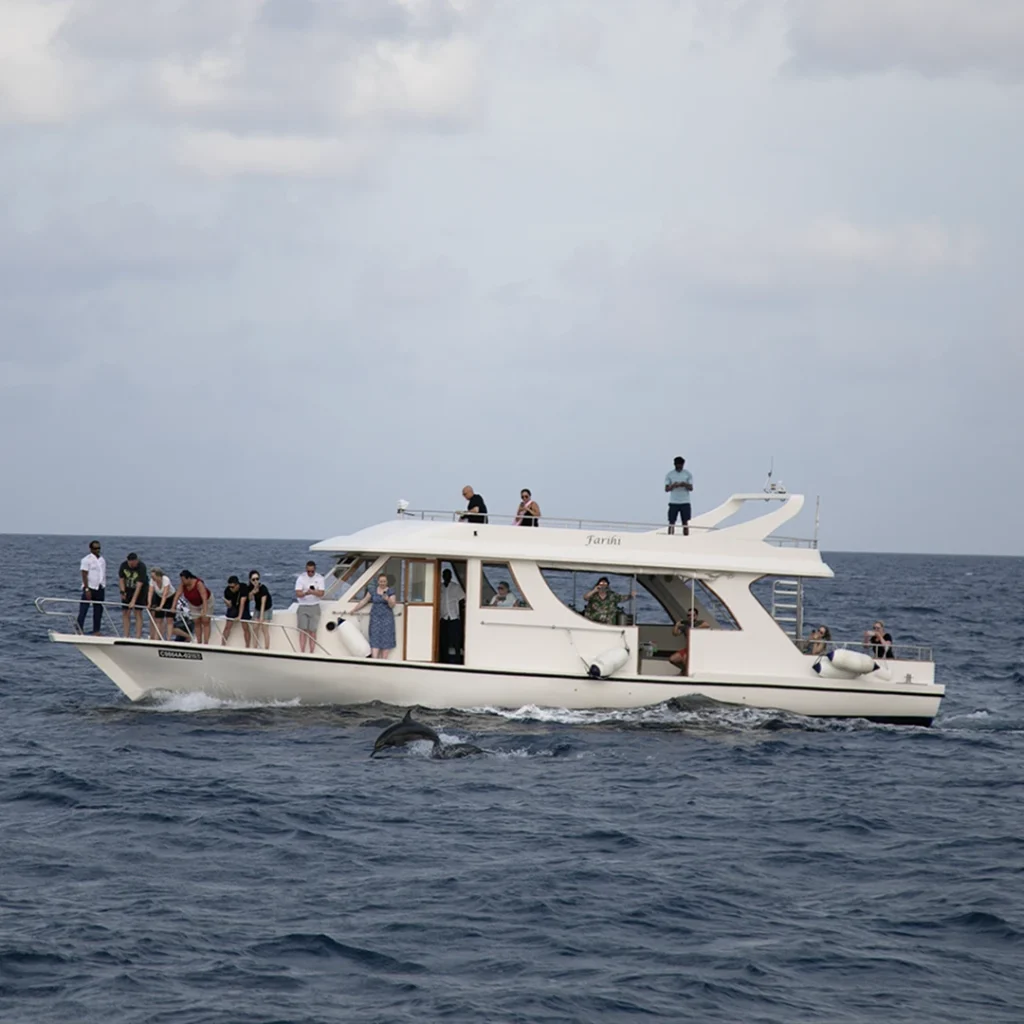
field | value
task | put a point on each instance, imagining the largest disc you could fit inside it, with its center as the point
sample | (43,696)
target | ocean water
(190,861)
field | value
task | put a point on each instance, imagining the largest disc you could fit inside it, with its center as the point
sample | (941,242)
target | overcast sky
(267,266)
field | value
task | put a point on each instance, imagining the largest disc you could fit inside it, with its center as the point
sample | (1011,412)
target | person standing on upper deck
(679,486)
(476,508)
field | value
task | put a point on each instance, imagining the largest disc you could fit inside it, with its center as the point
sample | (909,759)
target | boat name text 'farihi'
(595,539)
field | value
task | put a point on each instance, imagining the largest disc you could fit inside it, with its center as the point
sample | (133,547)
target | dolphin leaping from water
(408,730)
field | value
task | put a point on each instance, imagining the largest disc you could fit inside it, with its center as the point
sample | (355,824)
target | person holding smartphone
(309,589)
(879,641)
(382,600)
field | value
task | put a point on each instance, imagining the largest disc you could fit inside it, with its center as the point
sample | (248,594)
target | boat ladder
(788,606)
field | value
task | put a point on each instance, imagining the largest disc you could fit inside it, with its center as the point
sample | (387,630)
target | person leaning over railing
(160,602)
(133,582)
(200,602)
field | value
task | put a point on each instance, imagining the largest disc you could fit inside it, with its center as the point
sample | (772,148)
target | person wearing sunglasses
(262,609)
(94,587)
(528,513)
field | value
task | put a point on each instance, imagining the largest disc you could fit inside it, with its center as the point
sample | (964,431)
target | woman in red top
(200,600)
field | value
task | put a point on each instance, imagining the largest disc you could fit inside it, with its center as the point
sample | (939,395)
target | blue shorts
(683,511)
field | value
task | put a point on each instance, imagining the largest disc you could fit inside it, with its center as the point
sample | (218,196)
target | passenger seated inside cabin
(681,659)
(504,598)
(602,603)
(819,640)
(878,641)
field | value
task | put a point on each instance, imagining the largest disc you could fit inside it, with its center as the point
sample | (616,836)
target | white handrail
(573,523)
(70,607)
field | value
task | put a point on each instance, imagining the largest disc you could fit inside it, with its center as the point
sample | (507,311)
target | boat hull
(144,668)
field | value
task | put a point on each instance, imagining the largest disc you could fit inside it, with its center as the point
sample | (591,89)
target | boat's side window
(571,587)
(498,587)
(710,608)
(345,573)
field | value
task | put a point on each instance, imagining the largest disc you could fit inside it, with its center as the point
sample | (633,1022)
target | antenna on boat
(773,486)
(817,519)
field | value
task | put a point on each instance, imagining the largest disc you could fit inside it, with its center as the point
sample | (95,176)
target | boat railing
(573,523)
(112,623)
(901,652)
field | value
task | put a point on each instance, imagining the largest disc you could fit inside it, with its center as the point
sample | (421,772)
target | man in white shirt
(309,588)
(94,587)
(450,632)
(679,487)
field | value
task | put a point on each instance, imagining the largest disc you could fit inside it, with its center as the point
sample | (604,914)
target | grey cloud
(935,38)
(85,247)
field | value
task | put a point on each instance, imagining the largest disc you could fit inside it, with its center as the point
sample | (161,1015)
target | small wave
(189,703)
(695,712)
(984,923)
(319,945)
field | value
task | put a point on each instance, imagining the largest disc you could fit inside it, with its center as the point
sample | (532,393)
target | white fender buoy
(827,670)
(352,639)
(608,662)
(851,661)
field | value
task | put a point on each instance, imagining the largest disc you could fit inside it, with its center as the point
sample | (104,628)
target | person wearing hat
(678,486)
(133,581)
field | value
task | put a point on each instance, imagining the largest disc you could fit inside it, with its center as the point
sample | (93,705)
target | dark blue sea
(191,861)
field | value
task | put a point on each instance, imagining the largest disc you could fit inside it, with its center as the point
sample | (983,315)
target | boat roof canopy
(745,547)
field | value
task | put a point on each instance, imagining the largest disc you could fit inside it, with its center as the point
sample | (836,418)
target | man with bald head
(476,509)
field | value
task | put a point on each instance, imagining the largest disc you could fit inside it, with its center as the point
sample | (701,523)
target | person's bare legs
(125,622)
(203,627)
(247,633)
(679,660)
(137,614)
(229,624)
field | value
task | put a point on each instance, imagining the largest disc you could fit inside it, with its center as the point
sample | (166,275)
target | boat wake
(685,713)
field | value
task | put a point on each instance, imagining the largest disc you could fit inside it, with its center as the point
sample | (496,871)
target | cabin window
(417,582)
(498,587)
(344,573)
(571,586)
(710,608)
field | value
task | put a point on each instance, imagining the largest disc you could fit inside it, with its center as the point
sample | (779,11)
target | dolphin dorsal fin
(408,716)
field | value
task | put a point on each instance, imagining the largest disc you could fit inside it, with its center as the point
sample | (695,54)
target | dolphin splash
(408,730)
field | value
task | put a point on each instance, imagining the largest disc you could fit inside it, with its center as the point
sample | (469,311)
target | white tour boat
(536,647)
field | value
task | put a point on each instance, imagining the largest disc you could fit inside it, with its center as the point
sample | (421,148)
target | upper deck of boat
(746,547)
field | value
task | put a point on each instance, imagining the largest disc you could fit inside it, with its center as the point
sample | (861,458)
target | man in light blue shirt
(678,485)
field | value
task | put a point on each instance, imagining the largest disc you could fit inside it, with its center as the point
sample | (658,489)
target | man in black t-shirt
(476,509)
(133,581)
(236,597)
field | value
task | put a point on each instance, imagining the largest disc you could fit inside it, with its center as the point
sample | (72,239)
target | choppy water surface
(195,862)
